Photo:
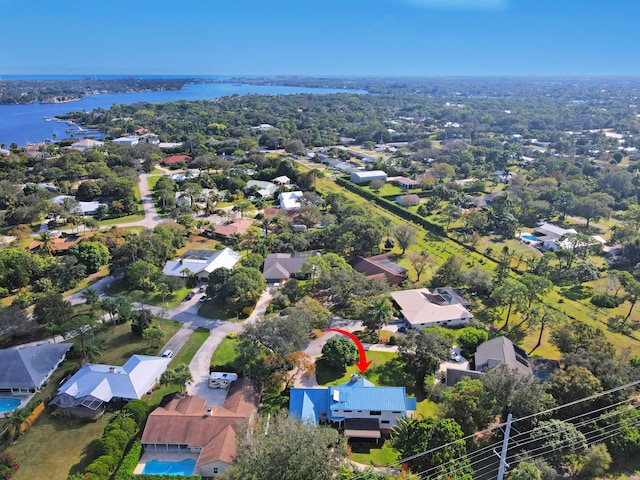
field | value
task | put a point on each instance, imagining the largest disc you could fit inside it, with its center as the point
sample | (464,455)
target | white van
(167,354)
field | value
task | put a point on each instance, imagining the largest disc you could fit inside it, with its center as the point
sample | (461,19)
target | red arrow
(362,364)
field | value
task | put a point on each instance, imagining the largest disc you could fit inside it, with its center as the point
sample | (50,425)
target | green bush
(99,469)
(109,445)
(138,409)
(126,424)
(108,460)
(120,436)
(129,462)
(606,301)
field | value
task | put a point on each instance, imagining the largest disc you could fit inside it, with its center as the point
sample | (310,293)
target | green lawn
(378,371)
(214,309)
(56,446)
(136,217)
(225,354)
(118,287)
(188,351)
(151,181)
(370,453)
(185,355)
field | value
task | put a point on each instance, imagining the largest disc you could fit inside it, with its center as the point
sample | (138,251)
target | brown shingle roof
(239,227)
(381,265)
(185,420)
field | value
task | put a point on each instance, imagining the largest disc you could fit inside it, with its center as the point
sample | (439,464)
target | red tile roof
(177,159)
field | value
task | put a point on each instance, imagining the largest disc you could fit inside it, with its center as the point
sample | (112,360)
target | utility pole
(505,446)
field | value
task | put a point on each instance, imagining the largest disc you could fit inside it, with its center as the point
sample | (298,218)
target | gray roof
(29,367)
(279,266)
(501,350)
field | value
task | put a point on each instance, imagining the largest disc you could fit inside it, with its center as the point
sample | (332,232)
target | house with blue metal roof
(358,407)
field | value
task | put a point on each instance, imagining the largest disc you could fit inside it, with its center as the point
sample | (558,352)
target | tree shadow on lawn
(392,374)
(326,374)
(88,456)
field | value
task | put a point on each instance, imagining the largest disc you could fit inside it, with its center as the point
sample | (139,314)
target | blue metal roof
(308,403)
(367,398)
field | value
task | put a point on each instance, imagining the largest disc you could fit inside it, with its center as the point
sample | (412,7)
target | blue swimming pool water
(8,404)
(184,467)
(531,238)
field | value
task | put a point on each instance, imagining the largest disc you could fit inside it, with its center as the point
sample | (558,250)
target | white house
(549,235)
(201,263)
(262,188)
(282,180)
(87,392)
(422,308)
(131,140)
(365,176)
(290,200)
(82,208)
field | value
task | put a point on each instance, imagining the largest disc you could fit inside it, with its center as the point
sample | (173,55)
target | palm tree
(91,296)
(92,351)
(381,312)
(47,241)
(18,417)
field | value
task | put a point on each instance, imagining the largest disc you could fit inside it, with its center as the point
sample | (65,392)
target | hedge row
(392,207)
(116,437)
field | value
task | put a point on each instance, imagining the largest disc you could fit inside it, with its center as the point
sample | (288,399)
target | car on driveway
(189,296)
(455,356)
(203,299)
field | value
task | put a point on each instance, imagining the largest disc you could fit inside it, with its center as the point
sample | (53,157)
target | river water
(24,124)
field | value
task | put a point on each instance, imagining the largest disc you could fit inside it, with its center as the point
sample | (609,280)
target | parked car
(203,299)
(202,288)
(455,356)
(167,354)
(402,329)
(189,296)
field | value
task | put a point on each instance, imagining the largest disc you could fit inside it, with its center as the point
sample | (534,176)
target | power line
(501,425)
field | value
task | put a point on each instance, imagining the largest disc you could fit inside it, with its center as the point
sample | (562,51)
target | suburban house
(25,370)
(422,308)
(501,350)
(60,244)
(130,140)
(87,393)
(81,208)
(201,263)
(172,160)
(185,424)
(489,355)
(290,200)
(86,144)
(279,267)
(282,180)
(360,408)
(405,183)
(408,200)
(549,237)
(226,231)
(261,188)
(365,176)
(379,266)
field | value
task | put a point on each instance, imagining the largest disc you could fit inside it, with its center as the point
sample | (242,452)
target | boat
(47,119)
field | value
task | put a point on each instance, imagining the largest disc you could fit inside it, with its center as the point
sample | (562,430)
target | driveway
(218,330)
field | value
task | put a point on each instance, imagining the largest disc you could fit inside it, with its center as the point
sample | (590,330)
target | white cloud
(459,4)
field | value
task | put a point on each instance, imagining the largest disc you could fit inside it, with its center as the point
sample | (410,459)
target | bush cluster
(117,435)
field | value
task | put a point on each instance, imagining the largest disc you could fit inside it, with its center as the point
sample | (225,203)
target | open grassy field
(55,447)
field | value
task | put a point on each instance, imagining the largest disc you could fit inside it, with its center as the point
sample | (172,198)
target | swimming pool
(8,404)
(184,467)
(531,238)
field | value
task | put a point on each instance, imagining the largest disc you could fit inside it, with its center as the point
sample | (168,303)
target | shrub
(129,462)
(100,469)
(8,466)
(120,436)
(108,460)
(138,409)
(605,301)
(232,335)
(109,445)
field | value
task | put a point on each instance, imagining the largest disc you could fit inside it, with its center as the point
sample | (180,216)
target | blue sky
(328,37)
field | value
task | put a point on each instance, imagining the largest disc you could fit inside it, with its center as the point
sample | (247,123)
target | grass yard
(225,354)
(215,310)
(56,447)
(151,181)
(136,217)
(371,453)
(185,355)
(118,287)
(378,371)
(198,242)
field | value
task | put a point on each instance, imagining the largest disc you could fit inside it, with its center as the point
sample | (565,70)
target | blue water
(184,467)
(25,123)
(8,404)
(531,238)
